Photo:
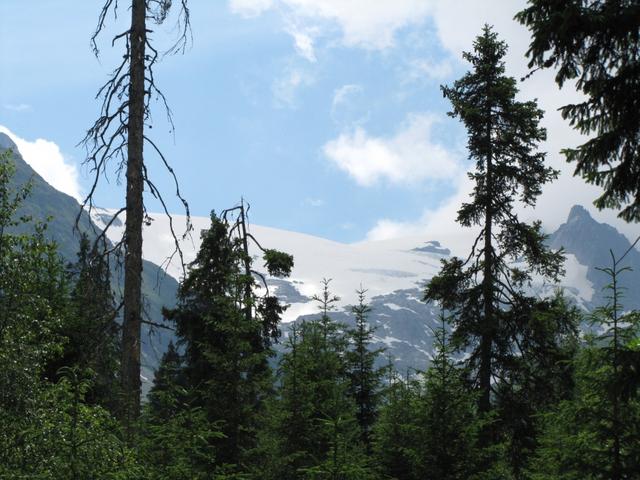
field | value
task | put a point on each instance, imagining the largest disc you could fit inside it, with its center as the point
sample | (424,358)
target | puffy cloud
(48,161)
(286,87)
(408,157)
(363,23)
(250,8)
(420,68)
(20,107)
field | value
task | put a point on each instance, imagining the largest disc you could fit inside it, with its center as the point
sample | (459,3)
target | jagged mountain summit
(592,244)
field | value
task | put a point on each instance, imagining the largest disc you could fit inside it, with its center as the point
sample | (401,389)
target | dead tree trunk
(134,216)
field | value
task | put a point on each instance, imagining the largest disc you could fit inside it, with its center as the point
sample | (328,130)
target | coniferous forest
(520,387)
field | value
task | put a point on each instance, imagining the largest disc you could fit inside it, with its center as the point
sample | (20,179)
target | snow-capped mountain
(393,272)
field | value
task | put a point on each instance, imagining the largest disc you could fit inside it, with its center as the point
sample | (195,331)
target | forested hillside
(532,340)
(59,212)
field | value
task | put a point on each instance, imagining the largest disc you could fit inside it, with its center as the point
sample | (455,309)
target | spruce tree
(595,44)
(396,434)
(365,377)
(177,438)
(484,291)
(595,433)
(226,351)
(447,419)
(94,333)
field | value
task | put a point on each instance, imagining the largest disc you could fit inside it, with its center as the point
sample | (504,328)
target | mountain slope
(592,244)
(394,273)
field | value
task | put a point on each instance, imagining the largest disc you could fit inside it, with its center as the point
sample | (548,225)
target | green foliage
(578,437)
(600,423)
(180,445)
(595,45)
(225,334)
(47,430)
(91,327)
(279,264)
(61,436)
(313,430)
(430,427)
(397,432)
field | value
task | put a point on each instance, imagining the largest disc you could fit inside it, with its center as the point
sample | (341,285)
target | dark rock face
(592,244)
(433,247)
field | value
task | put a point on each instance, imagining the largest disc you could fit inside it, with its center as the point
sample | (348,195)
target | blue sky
(326,115)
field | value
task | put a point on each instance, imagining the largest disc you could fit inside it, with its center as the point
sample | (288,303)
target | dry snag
(116,141)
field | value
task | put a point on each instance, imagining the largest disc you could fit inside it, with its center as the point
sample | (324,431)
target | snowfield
(393,272)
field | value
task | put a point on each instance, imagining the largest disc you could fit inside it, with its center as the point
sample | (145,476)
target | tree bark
(134,210)
(486,340)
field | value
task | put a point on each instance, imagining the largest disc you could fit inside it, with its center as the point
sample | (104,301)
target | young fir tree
(226,351)
(595,434)
(365,378)
(168,390)
(447,419)
(315,433)
(595,44)
(177,438)
(485,291)
(396,434)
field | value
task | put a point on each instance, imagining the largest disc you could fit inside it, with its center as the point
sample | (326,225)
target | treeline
(519,387)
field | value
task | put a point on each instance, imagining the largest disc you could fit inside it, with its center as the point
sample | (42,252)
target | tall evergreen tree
(595,43)
(482,290)
(226,351)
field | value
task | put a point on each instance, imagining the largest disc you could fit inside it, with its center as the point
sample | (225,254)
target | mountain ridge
(59,211)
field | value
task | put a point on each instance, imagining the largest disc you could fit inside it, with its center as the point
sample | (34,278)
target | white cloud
(408,157)
(48,161)
(341,94)
(313,202)
(438,223)
(20,107)
(250,8)
(303,41)
(456,33)
(286,87)
(420,68)
(363,23)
